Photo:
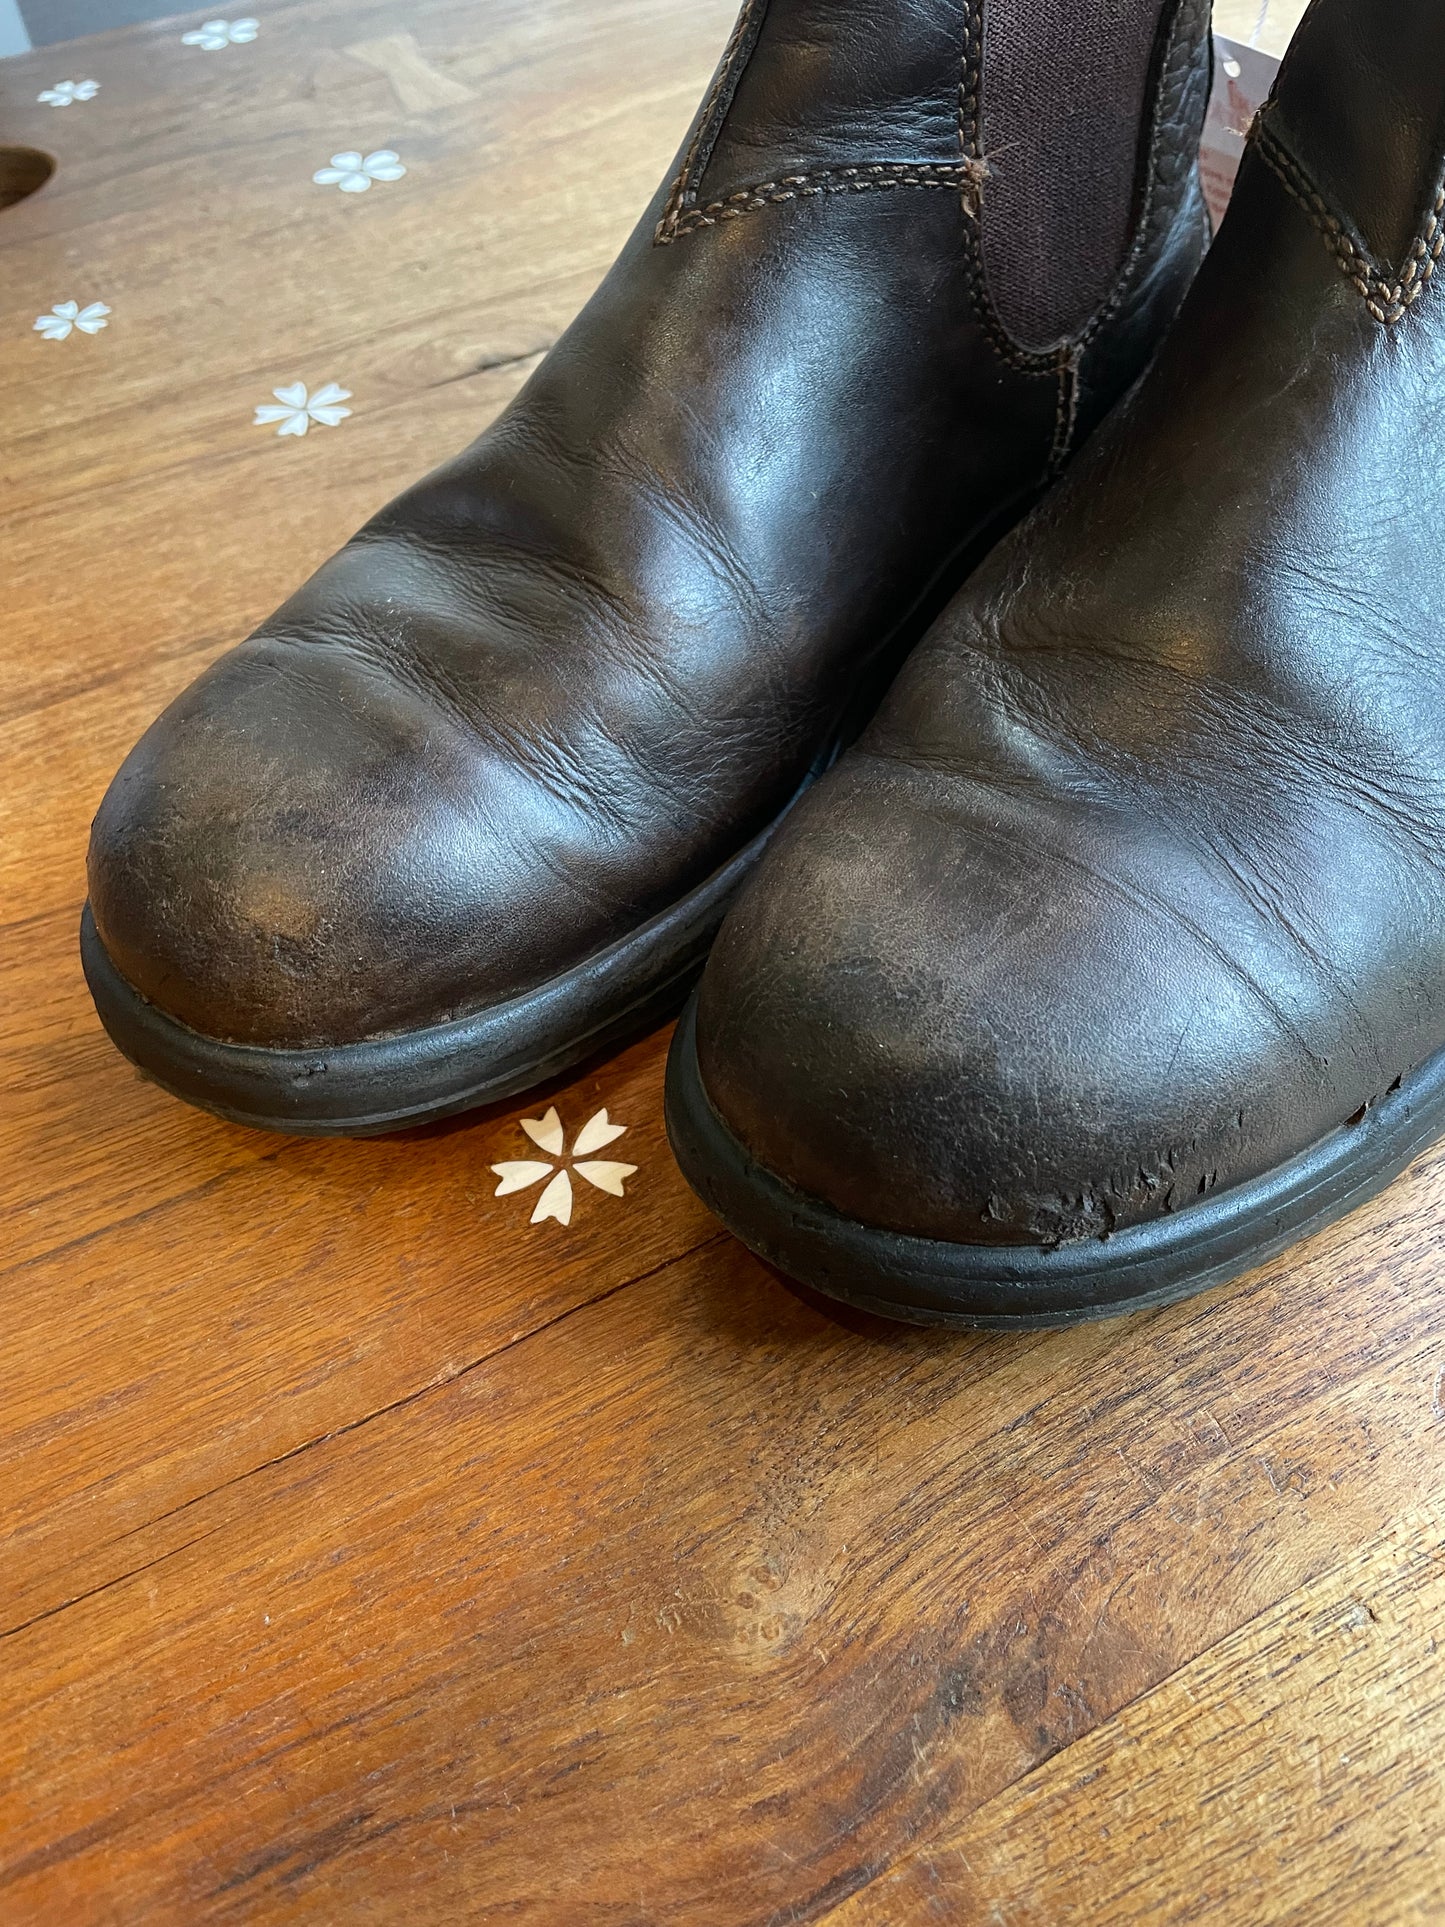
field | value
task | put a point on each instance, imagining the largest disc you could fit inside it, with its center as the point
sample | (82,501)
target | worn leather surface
(1135,888)
(555,685)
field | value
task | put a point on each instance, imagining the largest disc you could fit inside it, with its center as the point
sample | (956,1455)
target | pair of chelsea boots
(1111,956)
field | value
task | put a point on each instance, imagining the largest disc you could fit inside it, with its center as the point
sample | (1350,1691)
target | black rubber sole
(925,1281)
(415,1077)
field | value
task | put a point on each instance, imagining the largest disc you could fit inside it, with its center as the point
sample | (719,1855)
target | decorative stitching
(963,175)
(1185,33)
(682,216)
(714,109)
(1388,301)
(970,80)
(1023,360)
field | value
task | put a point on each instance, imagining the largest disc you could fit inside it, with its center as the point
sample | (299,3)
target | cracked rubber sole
(415,1077)
(926,1281)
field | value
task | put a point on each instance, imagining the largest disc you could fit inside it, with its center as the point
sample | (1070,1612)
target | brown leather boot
(1112,959)
(472,803)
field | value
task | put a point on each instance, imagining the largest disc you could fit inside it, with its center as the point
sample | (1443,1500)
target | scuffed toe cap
(946,1016)
(305,851)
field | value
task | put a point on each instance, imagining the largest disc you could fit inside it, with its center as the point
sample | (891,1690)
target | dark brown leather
(554,686)
(1135,887)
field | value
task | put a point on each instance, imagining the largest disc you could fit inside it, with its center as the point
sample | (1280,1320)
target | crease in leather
(1267,905)
(1153,904)
(1278,738)
(1288,754)
(572,767)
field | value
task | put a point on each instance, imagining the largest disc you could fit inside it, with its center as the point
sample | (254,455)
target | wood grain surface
(374,1555)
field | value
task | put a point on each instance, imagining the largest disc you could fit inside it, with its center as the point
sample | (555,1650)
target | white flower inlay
(65,91)
(295,410)
(215,34)
(353,173)
(547,1134)
(66,315)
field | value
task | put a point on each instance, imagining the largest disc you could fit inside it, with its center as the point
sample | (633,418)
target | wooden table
(375,1555)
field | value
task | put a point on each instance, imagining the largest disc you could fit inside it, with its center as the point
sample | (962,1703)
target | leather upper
(1135,887)
(555,685)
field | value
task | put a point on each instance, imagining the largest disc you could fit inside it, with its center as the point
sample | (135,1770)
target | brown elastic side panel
(1064,115)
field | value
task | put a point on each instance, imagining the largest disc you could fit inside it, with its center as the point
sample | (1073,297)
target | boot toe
(941,1027)
(303,850)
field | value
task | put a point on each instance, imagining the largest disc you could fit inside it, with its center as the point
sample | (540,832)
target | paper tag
(1243,77)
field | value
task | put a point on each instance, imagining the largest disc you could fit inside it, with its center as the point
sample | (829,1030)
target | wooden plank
(1291,1774)
(237,1296)
(701,1604)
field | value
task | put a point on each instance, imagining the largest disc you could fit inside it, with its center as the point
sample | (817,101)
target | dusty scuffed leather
(1135,887)
(559,682)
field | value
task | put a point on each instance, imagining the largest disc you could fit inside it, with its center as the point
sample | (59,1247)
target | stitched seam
(1389,302)
(726,76)
(1181,51)
(969,132)
(826,180)
(1174,79)
(970,80)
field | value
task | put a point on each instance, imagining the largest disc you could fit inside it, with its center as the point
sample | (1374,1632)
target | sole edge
(416,1077)
(1021,1288)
